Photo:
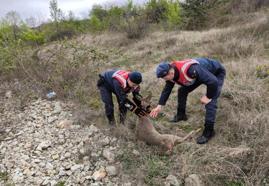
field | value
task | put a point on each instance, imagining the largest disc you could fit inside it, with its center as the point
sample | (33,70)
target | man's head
(135,78)
(165,71)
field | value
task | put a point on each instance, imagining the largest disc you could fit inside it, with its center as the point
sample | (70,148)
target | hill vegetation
(66,56)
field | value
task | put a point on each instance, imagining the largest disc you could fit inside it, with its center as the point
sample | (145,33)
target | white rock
(2,168)
(92,130)
(105,141)
(53,182)
(49,166)
(99,175)
(75,126)
(18,176)
(109,155)
(55,156)
(86,158)
(76,167)
(64,124)
(57,108)
(96,184)
(52,119)
(8,94)
(36,161)
(135,152)
(127,184)
(67,165)
(171,180)
(62,172)
(67,155)
(43,145)
(111,170)
(46,181)
(69,172)
(193,180)
(82,151)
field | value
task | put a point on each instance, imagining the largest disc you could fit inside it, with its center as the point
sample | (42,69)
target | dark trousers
(211,107)
(106,96)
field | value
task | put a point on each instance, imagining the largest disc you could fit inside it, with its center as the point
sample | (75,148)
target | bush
(95,24)
(262,71)
(155,10)
(99,12)
(62,34)
(168,12)
(115,18)
(134,24)
(135,27)
(33,37)
(173,14)
(7,62)
(194,14)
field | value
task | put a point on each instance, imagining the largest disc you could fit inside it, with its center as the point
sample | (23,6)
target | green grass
(234,183)
(60,183)
(4,176)
(157,167)
(186,127)
(129,161)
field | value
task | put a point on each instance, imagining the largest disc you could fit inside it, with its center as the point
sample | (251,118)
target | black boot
(111,121)
(208,133)
(179,117)
(122,118)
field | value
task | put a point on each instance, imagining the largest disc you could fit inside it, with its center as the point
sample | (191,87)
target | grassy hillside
(238,155)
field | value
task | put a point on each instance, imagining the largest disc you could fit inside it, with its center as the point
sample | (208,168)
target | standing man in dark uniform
(190,74)
(120,83)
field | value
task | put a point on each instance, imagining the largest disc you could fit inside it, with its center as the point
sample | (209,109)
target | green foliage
(60,183)
(6,61)
(262,71)
(194,13)
(55,12)
(4,176)
(8,49)
(157,166)
(173,14)
(129,161)
(234,183)
(135,27)
(33,36)
(115,18)
(95,23)
(156,10)
(134,24)
(166,11)
(5,34)
(99,12)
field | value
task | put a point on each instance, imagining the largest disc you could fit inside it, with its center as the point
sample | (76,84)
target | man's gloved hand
(140,112)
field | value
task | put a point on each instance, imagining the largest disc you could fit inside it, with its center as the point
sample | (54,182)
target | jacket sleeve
(121,95)
(166,92)
(207,78)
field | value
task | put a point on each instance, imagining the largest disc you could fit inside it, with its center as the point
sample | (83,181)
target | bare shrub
(136,27)
(60,35)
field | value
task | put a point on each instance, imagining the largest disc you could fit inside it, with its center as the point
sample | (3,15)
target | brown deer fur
(146,132)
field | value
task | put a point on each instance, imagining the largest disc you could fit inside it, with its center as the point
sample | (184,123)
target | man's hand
(205,100)
(154,113)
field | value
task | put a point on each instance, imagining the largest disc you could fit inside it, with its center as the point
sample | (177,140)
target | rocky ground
(42,144)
